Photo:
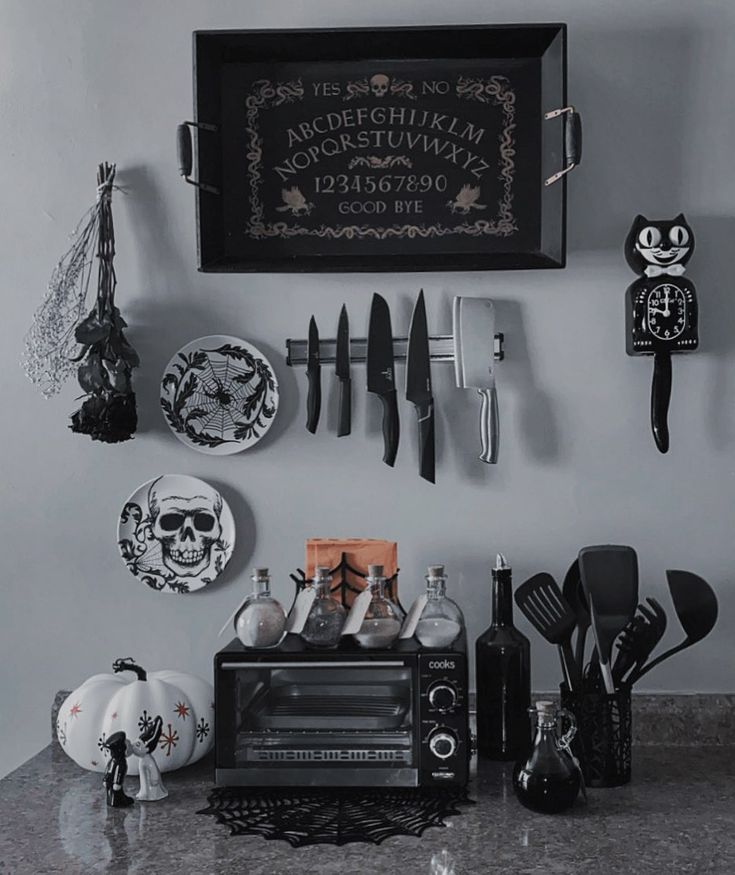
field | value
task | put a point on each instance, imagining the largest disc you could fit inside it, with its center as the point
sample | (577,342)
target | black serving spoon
(574,594)
(610,580)
(695,603)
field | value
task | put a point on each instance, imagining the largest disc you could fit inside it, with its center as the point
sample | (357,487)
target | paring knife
(474,349)
(418,386)
(381,374)
(342,371)
(313,373)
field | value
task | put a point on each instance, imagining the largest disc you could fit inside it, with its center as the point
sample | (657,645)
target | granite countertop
(677,816)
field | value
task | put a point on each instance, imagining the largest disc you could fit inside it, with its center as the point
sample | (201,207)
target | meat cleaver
(473,322)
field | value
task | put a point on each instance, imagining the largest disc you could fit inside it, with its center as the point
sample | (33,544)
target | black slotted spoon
(544,606)
(639,638)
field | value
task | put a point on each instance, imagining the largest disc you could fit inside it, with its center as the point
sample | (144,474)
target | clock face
(666,311)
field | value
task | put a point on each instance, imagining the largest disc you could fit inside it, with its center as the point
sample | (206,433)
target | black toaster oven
(298,717)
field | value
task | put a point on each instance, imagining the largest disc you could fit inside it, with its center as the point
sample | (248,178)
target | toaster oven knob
(443,744)
(442,696)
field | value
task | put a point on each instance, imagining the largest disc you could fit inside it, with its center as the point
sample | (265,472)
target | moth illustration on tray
(176,533)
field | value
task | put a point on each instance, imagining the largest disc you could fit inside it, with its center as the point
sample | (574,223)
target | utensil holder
(603,740)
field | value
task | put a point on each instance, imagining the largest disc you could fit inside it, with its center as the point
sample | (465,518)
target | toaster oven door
(326,723)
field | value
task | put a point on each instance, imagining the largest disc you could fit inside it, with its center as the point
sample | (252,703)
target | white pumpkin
(106,703)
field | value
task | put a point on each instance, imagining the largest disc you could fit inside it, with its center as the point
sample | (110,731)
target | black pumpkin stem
(127,664)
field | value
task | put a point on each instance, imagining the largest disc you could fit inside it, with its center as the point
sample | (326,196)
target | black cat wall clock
(661,315)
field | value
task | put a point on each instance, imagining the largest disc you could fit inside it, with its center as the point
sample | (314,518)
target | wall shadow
(536,427)
(710,272)
(170,311)
(621,83)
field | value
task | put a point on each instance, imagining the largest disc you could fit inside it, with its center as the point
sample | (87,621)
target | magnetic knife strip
(441,349)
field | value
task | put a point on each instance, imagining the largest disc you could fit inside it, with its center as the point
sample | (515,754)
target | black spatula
(545,607)
(610,581)
(696,607)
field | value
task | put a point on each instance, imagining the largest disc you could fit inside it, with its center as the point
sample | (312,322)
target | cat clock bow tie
(653,270)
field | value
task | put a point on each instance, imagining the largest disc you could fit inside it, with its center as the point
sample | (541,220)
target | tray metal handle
(185,153)
(572,140)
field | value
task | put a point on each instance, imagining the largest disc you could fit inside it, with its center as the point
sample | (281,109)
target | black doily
(333,816)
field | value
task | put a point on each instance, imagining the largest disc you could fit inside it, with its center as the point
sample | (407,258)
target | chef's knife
(381,374)
(474,346)
(418,386)
(342,370)
(313,373)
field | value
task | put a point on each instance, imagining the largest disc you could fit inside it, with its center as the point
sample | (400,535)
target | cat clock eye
(661,312)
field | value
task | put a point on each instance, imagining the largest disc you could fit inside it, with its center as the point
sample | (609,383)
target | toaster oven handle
(233,666)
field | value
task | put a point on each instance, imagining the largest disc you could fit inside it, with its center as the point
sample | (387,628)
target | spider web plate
(334,816)
(219,395)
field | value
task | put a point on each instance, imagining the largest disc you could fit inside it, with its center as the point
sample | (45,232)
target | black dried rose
(105,371)
(109,417)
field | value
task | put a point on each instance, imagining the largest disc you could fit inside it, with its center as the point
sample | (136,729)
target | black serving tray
(415,148)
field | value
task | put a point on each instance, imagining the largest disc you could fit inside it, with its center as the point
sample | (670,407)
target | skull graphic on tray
(176,533)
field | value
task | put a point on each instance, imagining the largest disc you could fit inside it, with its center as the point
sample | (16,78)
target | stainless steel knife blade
(474,364)
(381,374)
(313,374)
(418,386)
(342,371)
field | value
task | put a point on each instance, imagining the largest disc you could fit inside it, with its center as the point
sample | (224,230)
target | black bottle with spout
(503,668)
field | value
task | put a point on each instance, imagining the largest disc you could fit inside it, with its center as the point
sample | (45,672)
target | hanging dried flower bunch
(60,338)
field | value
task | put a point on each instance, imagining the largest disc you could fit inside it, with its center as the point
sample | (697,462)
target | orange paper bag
(359,553)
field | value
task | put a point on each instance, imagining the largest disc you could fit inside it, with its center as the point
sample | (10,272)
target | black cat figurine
(661,312)
(117,768)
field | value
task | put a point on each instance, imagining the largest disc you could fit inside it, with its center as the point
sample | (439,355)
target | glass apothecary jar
(261,621)
(441,621)
(326,618)
(382,621)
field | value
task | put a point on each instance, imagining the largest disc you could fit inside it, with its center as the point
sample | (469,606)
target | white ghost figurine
(151,786)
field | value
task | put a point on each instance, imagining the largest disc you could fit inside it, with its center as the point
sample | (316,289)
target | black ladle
(695,603)
(574,594)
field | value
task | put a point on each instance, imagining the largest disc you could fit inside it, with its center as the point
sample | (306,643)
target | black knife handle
(391,427)
(345,407)
(660,396)
(426,441)
(313,400)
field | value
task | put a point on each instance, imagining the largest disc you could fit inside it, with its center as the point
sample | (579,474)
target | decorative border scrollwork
(494,90)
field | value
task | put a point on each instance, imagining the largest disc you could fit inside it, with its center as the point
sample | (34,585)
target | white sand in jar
(378,633)
(261,625)
(438,632)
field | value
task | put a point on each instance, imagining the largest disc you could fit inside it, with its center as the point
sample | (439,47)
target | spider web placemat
(333,816)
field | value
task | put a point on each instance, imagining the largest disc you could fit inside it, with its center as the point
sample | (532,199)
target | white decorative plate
(176,533)
(219,395)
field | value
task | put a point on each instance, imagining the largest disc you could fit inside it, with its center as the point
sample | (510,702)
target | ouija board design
(365,160)
(372,158)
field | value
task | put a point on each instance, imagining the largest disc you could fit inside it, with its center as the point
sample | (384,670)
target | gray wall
(82,82)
